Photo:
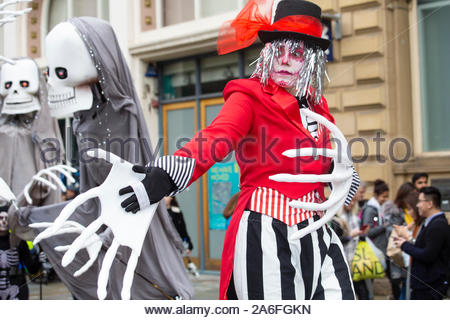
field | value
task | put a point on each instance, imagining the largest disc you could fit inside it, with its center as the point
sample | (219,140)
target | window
(214,7)
(179,79)
(216,71)
(177,11)
(434,51)
(61,10)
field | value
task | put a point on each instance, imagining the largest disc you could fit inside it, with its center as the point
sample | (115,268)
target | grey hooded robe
(116,123)
(29,143)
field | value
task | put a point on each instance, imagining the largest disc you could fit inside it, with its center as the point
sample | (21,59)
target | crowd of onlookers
(411,231)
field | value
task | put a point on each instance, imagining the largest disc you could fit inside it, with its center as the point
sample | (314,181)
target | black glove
(157,183)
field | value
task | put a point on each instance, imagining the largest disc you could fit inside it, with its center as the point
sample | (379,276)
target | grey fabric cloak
(115,123)
(29,143)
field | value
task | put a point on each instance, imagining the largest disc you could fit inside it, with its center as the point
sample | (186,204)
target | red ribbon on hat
(256,16)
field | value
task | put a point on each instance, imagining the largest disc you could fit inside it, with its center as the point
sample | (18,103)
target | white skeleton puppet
(30,138)
(89,78)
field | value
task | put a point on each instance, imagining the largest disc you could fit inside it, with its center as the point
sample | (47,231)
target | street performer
(260,119)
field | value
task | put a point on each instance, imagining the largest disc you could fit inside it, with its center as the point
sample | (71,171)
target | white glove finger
(67,174)
(93,251)
(15,13)
(332,201)
(68,168)
(56,179)
(79,242)
(62,248)
(73,224)
(317,224)
(311,178)
(26,193)
(129,274)
(104,271)
(105,155)
(72,206)
(46,182)
(65,214)
(39,225)
(11,2)
(324,121)
(68,225)
(310,152)
(67,230)
(337,134)
(6,192)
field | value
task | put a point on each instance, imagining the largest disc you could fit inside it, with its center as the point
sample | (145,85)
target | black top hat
(295,8)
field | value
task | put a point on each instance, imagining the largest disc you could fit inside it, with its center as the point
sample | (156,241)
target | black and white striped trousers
(267,265)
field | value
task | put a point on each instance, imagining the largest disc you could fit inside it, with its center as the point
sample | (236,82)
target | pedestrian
(420,180)
(360,195)
(431,250)
(178,220)
(373,217)
(399,213)
(347,227)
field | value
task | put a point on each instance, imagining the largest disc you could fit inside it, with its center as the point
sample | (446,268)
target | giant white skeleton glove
(128,229)
(7,16)
(50,174)
(92,245)
(340,178)
(5,193)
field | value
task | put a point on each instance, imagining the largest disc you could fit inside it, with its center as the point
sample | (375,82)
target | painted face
(286,66)
(4,226)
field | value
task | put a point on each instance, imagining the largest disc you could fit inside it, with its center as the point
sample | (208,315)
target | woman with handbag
(400,213)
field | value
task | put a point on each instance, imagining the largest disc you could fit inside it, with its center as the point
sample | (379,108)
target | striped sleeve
(180,170)
(353,187)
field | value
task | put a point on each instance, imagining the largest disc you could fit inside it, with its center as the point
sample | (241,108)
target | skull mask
(70,71)
(4,225)
(20,87)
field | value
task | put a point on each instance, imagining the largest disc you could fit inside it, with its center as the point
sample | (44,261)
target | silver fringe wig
(310,76)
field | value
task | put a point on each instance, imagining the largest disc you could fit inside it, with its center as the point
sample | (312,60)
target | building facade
(388,89)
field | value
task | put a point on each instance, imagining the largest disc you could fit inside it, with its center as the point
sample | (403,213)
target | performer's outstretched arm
(170,175)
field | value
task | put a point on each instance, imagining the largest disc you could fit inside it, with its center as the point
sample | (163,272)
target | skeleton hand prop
(128,229)
(49,172)
(6,193)
(93,244)
(11,15)
(340,178)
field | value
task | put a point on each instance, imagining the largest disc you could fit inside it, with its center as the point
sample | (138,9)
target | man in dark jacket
(431,250)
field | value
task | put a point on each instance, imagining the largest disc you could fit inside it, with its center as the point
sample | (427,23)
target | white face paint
(70,71)
(286,67)
(20,87)
(4,226)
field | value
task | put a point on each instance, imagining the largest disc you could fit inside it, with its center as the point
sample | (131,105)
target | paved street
(206,288)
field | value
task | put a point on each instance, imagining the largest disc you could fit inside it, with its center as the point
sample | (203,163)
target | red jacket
(259,123)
